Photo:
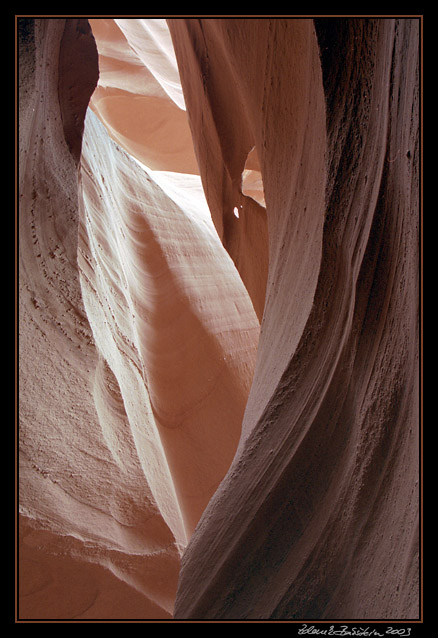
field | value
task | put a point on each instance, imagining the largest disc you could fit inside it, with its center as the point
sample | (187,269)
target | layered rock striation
(219,319)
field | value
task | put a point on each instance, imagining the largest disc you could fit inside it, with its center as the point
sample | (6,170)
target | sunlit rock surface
(139,95)
(138,344)
(231,178)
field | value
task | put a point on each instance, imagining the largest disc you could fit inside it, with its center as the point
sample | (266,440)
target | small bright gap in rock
(236,212)
(252,182)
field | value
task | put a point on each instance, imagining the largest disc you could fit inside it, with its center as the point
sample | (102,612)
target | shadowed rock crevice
(77,78)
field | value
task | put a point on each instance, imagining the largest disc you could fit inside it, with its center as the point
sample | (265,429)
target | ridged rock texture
(219,231)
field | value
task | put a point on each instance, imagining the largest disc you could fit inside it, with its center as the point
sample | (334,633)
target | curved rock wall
(274,192)
(137,344)
(84,519)
(172,320)
(318,515)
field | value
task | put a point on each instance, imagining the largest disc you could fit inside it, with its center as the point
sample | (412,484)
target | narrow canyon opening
(161,238)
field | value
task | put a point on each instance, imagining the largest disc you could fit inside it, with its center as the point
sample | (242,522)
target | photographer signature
(345,630)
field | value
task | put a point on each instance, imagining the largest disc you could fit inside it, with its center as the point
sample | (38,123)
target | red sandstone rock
(152,349)
(322,497)
(141,425)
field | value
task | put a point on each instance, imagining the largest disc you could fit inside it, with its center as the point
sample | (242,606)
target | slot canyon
(219,318)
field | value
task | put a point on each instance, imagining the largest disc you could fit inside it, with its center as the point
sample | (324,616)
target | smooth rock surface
(219,318)
(137,344)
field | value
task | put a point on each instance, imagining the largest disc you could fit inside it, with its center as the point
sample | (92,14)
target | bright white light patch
(236,212)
